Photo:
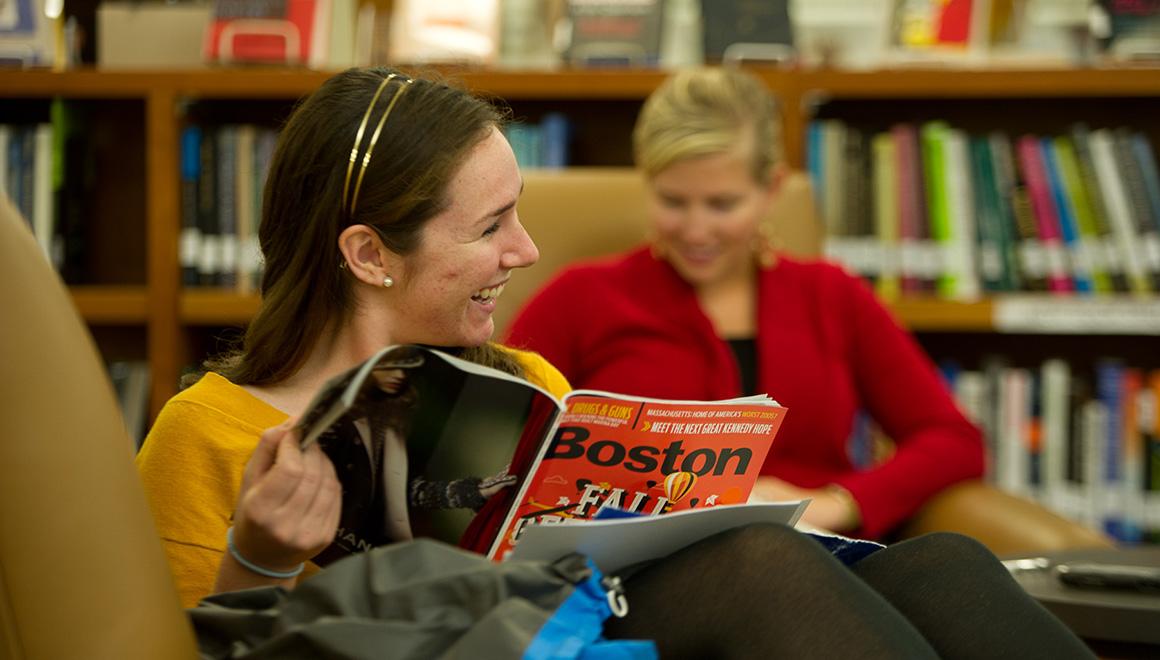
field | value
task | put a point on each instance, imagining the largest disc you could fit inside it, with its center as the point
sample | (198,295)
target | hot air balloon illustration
(678,485)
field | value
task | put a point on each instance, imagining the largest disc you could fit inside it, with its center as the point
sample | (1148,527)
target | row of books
(26,168)
(544,144)
(1084,443)
(930,207)
(223,172)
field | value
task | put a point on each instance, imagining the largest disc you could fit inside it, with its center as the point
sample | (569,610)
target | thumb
(266,452)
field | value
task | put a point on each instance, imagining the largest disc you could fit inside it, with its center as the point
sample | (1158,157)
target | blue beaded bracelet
(281,575)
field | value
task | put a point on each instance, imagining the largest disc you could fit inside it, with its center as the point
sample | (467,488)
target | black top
(745,352)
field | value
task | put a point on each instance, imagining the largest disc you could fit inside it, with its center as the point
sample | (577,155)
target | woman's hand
(832,508)
(287,511)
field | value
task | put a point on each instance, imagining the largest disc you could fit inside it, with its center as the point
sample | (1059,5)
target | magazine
(427,444)
(619,542)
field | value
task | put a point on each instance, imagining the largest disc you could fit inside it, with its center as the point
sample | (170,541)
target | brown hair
(430,130)
(707,111)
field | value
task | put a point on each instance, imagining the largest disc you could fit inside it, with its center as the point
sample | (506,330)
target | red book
(294,32)
(1046,214)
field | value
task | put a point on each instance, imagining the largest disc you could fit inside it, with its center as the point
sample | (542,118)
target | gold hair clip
(374,138)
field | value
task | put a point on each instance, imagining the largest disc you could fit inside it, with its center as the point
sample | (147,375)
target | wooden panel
(216,307)
(930,314)
(110,305)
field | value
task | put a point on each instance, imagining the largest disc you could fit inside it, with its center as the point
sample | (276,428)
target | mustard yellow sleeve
(542,373)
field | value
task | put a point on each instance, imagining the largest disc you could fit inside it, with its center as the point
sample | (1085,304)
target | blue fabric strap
(575,629)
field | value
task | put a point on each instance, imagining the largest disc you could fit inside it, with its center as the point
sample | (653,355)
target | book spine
(244,206)
(190,241)
(1000,222)
(909,204)
(1119,213)
(1081,267)
(1046,215)
(1106,243)
(932,139)
(1017,208)
(886,220)
(227,165)
(209,258)
(962,263)
(1075,190)
(1147,223)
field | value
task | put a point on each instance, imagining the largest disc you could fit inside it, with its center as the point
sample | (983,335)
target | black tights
(768,591)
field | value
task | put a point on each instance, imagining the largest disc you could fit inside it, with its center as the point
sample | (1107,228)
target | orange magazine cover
(427,444)
(643,456)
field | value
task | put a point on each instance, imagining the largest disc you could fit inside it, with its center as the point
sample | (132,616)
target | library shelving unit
(130,292)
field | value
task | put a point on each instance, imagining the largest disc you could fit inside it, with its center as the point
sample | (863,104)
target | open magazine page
(616,543)
(644,456)
(420,443)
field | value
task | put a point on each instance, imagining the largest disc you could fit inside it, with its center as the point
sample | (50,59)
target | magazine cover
(643,456)
(426,444)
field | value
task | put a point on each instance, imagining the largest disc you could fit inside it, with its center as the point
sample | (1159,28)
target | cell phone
(1109,576)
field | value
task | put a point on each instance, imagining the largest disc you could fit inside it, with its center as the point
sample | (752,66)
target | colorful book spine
(190,240)
(1046,215)
(1129,250)
(932,137)
(1080,204)
(1081,267)
(911,207)
(1015,204)
(1106,244)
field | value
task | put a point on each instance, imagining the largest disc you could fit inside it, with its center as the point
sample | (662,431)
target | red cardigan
(826,349)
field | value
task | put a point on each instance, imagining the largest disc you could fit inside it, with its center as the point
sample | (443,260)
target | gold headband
(406,82)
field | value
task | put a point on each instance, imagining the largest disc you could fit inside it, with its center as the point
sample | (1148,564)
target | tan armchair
(82,574)
(580,213)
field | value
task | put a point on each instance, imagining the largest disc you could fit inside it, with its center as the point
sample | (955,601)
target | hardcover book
(426,444)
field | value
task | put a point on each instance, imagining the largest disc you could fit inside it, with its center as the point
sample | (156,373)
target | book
(27,33)
(294,32)
(452,31)
(607,32)
(744,22)
(190,238)
(427,444)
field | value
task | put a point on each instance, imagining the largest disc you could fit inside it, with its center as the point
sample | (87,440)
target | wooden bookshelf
(168,314)
(111,305)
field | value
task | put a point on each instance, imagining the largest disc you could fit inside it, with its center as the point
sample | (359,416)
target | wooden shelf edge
(934,315)
(595,83)
(111,305)
(216,307)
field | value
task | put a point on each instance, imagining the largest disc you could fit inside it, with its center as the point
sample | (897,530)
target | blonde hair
(707,111)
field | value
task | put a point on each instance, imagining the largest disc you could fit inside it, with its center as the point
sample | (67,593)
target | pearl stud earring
(388,282)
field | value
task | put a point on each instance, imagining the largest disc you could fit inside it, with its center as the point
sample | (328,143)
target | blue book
(190,242)
(1110,391)
(1081,273)
(555,140)
(814,161)
(1148,172)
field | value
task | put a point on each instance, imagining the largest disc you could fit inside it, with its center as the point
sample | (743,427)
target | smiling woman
(388,218)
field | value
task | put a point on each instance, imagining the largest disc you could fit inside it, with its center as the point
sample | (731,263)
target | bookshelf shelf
(171,315)
(216,307)
(932,315)
(976,83)
(111,305)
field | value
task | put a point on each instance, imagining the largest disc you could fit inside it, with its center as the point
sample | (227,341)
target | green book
(1075,190)
(932,137)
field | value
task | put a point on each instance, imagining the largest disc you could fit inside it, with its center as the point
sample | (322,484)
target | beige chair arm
(1005,523)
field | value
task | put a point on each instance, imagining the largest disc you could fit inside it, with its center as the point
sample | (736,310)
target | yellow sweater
(192,461)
